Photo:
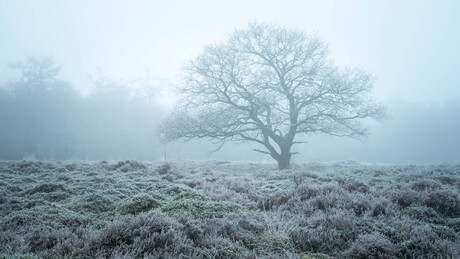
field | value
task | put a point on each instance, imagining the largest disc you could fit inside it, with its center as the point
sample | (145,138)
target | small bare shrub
(317,240)
(244,227)
(127,166)
(39,239)
(139,203)
(219,247)
(94,202)
(425,184)
(423,213)
(418,248)
(374,245)
(163,169)
(46,188)
(276,236)
(149,233)
(356,186)
(306,191)
(445,201)
(405,198)
(380,207)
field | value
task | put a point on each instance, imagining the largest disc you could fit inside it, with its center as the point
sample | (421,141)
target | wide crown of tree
(268,84)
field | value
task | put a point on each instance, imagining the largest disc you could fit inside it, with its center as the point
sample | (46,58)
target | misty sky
(410,46)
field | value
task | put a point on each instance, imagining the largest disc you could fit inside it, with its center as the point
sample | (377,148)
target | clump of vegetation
(2,198)
(445,201)
(222,210)
(220,247)
(423,213)
(418,248)
(95,203)
(139,203)
(46,188)
(127,166)
(163,169)
(190,195)
(201,208)
(373,245)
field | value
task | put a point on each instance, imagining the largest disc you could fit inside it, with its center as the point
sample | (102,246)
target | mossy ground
(225,210)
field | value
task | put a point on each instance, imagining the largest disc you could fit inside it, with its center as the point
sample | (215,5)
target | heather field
(219,209)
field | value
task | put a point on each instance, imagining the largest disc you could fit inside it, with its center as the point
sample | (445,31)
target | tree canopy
(268,84)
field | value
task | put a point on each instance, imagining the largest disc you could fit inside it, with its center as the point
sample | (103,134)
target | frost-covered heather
(218,209)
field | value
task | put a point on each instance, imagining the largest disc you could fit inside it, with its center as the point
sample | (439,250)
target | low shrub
(139,203)
(220,247)
(317,240)
(46,188)
(276,236)
(444,201)
(3,199)
(127,166)
(417,248)
(405,198)
(201,208)
(373,245)
(444,232)
(163,169)
(190,194)
(95,203)
(447,180)
(56,196)
(380,207)
(39,240)
(356,186)
(39,216)
(151,234)
(425,184)
(423,213)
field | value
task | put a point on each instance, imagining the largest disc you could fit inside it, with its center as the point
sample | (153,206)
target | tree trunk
(284,160)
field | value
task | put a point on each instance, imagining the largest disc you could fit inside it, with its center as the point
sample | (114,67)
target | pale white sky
(412,47)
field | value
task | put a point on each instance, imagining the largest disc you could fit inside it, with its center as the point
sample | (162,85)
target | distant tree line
(44,117)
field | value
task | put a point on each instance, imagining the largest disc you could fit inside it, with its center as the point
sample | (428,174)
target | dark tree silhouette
(268,84)
(40,114)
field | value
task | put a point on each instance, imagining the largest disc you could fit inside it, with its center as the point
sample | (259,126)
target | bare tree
(267,84)
(39,74)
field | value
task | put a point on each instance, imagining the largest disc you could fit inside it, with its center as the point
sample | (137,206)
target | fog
(107,70)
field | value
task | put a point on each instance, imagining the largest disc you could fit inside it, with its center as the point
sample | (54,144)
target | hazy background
(410,46)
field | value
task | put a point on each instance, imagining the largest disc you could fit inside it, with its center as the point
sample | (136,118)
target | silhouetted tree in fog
(40,115)
(267,84)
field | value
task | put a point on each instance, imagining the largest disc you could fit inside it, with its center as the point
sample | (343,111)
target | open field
(220,209)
